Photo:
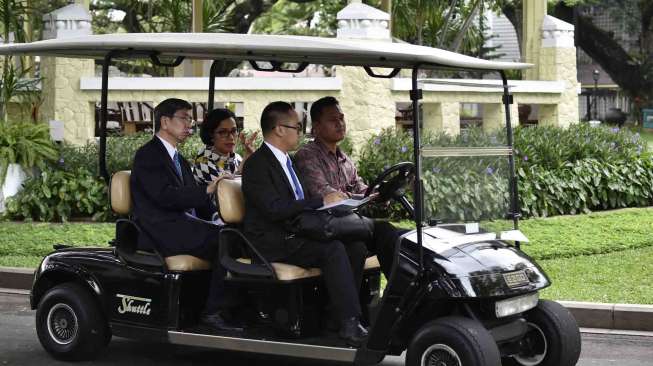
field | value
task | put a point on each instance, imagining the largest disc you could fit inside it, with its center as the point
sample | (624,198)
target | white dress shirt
(171,149)
(283,157)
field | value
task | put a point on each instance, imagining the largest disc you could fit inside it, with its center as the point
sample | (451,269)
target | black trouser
(219,297)
(383,244)
(357,253)
(332,259)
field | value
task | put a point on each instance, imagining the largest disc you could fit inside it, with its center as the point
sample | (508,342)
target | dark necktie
(177,161)
(299,193)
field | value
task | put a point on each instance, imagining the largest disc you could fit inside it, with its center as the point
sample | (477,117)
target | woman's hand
(248,142)
(213,186)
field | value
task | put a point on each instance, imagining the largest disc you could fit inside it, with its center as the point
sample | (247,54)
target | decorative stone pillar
(364,99)
(557,61)
(61,76)
(494,116)
(441,117)
(534,11)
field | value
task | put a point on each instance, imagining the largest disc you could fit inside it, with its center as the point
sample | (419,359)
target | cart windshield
(467,177)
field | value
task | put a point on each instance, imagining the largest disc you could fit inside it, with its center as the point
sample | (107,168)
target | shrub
(560,171)
(552,147)
(58,195)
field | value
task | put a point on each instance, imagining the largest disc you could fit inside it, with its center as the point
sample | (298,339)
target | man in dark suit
(274,196)
(168,202)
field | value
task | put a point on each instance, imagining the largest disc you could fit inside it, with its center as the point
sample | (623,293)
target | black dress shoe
(353,332)
(217,322)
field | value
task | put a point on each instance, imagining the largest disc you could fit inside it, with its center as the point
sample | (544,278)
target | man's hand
(334,197)
(213,186)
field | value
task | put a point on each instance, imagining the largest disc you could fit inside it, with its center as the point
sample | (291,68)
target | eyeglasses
(224,133)
(299,128)
(187,120)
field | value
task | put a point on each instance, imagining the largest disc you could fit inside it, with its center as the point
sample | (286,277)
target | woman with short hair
(218,159)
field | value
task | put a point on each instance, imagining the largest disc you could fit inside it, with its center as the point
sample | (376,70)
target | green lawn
(24,244)
(601,257)
(570,236)
(621,277)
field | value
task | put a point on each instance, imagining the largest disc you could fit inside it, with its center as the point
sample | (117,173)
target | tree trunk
(632,75)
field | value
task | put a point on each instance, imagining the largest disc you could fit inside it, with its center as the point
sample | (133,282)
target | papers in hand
(346,204)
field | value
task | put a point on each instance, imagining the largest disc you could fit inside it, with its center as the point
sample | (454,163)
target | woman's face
(225,136)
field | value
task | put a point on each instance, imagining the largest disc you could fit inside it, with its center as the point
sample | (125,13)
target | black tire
(453,341)
(70,324)
(553,338)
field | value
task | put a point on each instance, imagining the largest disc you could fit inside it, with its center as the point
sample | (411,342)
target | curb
(588,314)
(16,278)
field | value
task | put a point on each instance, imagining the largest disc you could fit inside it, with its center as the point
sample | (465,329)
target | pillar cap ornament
(361,21)
(557,33)
(70,21)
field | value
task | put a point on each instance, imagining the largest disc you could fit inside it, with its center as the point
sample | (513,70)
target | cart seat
(231,203)
(289,272)
(121,203)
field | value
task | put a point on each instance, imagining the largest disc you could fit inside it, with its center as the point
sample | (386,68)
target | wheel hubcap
(62,324)
(533,347)
(440,355)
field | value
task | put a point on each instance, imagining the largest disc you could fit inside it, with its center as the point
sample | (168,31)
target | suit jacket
(161,199)
(270,204)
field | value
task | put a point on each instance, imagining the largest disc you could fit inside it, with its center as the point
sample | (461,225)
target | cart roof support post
(104,95)
(514,202)
(415,96)
(212,72)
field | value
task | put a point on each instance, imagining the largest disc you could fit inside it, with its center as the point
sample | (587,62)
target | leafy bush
(27,144)
(58,195)
(552,147)
(560,171)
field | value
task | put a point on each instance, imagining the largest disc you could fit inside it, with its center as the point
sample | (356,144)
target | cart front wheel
(552,338)
(452,341)
(70,324)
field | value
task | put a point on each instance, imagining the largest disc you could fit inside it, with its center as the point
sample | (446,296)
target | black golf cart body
(476,288)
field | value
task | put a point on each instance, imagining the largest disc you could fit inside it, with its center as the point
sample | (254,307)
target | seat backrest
(231,201)
(121,200)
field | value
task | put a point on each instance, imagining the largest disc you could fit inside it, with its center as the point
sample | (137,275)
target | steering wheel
(391,183)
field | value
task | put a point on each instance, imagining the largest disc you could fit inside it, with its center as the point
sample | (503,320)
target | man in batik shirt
(328,169)
(324,166)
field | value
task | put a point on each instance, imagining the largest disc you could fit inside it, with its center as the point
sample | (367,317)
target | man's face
(290,129)
(178,126)
(330,126)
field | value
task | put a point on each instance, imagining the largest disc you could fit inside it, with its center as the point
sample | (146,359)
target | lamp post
(595,76)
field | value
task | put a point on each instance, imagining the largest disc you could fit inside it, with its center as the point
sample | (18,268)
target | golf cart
(457,295)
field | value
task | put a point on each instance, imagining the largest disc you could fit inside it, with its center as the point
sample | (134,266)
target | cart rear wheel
(552,338)
(452,341)
(70,324)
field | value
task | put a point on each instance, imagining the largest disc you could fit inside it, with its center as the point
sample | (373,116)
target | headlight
(516,305)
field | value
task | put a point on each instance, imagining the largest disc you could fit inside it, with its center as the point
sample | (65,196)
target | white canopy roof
(331,51)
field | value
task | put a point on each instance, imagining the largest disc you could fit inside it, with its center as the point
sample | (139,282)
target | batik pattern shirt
(209,165)
(325,172)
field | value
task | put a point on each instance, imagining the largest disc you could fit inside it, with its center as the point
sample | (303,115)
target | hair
(271,115)
(211,122)
(319,105)
(168,108)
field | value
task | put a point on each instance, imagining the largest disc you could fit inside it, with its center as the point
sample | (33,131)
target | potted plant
(23,146)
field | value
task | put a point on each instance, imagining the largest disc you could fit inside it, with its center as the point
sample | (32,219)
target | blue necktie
(178,165)
(298,188)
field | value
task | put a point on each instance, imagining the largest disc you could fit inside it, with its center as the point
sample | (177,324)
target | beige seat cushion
(289,272)
(184,263)
(230,201)
(121,201)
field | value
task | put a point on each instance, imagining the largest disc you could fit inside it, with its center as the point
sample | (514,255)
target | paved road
(19,346)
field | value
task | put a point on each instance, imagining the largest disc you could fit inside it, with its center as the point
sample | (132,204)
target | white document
(513,235)
(349,203)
